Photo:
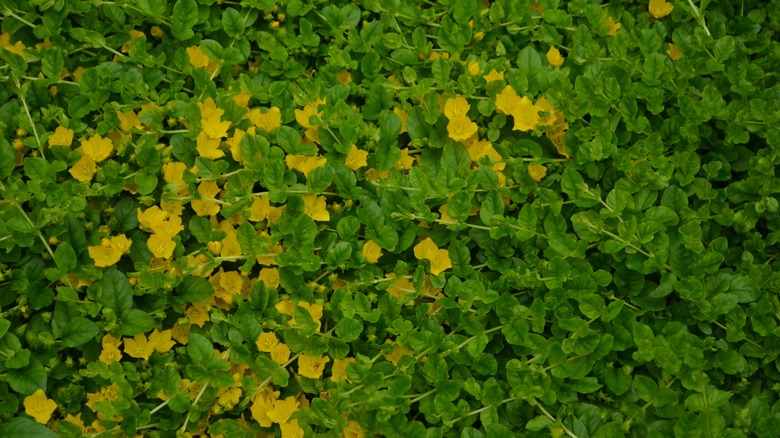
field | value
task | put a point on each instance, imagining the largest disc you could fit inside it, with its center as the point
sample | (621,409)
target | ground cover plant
(389,218)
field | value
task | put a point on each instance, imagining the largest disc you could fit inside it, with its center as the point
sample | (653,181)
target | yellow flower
(473,68)
(97,147)
(401,115)
(507,100)
(157,32)
(104,254)
(461,128)
(456,107)
(280,353)
(374,174)
(138,347)
(110,354)
(315,311)
(208,148)
(303,163)
(128,121)
(263,403)
(197,314)
(371,251)
(674,52)
(291,430)
(228,397)
(269,276)
(554,57)
(269,121)
(214,127)
(315,208)
(181,332)
(526,115)
(39,406)
(206,207)
(479,148)
(303,116)
(173,172)
(344,77)
(406,161)
(110,341)
(259,209)
(439,258)
(613,27)
(353,430)
(267,341)
(61,137)
(356,158)
(659,8)
(76,421)
(242,99)
(494,76)
(312,366)
(339,369)
(544,106)
(134,35)
(400,287)
(161,246)
(537,172)
(283,409)
(83,169)
(122,243)
(208,108)
(285,307)
(161,340)
(168,228)
(151,218)
(398,352)
(197,57)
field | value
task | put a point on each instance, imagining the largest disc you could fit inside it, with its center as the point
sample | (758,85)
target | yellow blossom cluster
(110,250)
(164,226)
(304,118)
(198,59)
(460,126)
(213,129)
(93,150)
(527,116)
(439,258)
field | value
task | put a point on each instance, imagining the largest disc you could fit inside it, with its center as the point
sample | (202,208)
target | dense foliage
(389,217)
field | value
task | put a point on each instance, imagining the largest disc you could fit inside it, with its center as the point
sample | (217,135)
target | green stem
(194,403)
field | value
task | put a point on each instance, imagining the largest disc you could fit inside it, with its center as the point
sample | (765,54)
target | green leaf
(185,16)
(117,294)
(232,22)
(319,178)
(194,289)
(371,64)
(212,49)
(26,428)
(349,329)
(289,139)
(52,63)
(4,325)
(305,230)
(200,349)
(7,158)
(65,256)
(77,332)
(416,125)
(452,37)
(338,254)
(29,379)
(126,214)
(464,10)
(135,321)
